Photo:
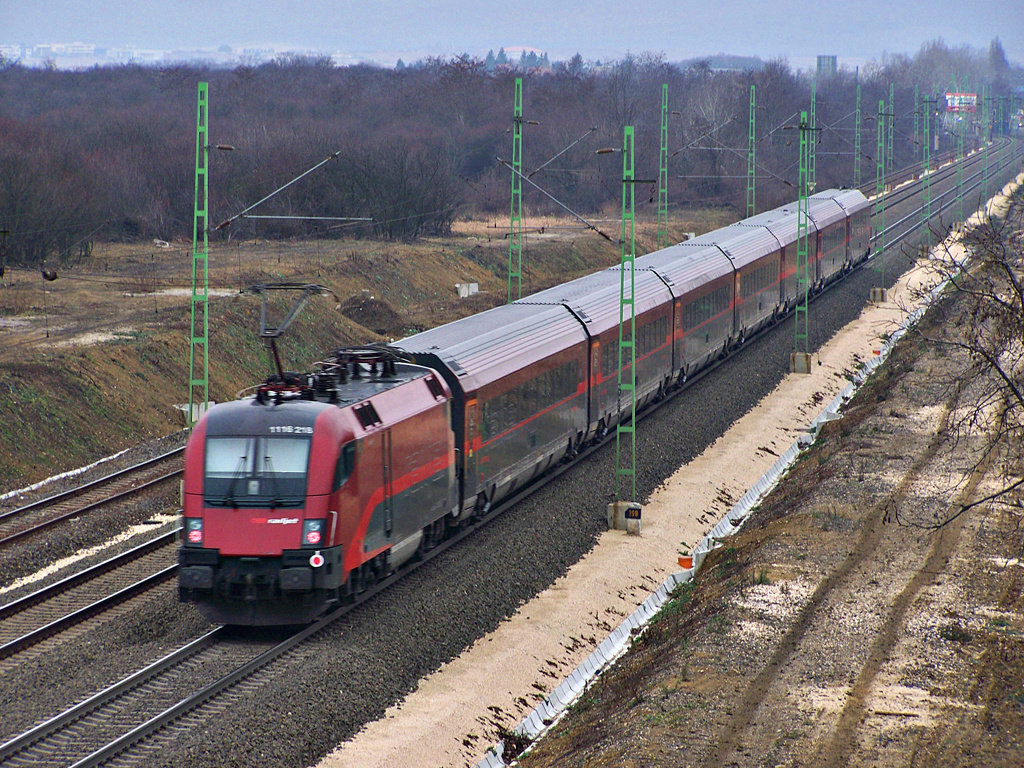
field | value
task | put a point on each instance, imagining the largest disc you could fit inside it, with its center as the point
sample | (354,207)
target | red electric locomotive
(296,497)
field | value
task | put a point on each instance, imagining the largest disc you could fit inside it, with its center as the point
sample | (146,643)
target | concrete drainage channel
(546,714)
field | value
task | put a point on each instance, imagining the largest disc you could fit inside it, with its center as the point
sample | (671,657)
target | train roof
(594,299)
(251,417)
(685,267)
(824,211)
(300,404)
(743,245)
(488,346)
(850,200)
(782,222)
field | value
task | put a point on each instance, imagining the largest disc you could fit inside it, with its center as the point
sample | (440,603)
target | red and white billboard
(961,102)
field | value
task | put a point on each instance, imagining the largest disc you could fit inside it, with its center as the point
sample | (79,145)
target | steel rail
(76,579)
(79,490)
(87,508)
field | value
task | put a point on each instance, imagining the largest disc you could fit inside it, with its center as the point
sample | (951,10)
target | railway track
(27,520)
(102,726)
(901,191)
(68,605)
(943,199)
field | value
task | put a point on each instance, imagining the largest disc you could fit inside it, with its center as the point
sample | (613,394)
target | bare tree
(981,319)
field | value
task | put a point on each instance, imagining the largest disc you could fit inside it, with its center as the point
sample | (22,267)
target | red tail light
(194,531)
(313,532)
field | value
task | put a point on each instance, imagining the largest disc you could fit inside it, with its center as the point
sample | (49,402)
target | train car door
(387,462)
(470,444)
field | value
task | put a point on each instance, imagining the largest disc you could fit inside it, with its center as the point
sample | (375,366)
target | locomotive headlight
(313,532)
(194,531)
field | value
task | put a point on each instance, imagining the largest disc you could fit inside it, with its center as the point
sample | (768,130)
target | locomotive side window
(346,465)
(256,471)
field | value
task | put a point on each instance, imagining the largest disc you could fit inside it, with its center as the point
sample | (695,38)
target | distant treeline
(108,153)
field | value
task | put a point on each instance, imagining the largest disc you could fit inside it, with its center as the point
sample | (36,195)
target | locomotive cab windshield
(256,471)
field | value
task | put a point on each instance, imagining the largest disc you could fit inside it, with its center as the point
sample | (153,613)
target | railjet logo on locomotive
(301,496)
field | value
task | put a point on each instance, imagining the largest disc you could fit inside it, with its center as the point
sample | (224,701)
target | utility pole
(751,148)
(515,227)
(199,335)
(878,295)
(625,430)
(812,171)
(663,172)
(890,162)
(800,359)
(856,142)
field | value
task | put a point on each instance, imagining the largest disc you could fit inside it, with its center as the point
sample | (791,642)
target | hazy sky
(599,29)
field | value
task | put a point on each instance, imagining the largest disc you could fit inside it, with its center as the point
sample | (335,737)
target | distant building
(827,66)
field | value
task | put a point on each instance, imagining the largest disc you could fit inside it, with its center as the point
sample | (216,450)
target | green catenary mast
(960,167)
(856,142)
(986,137)
(879,215)
(625,430)
(889,158)
(663,172)
(812,171)
(199,347)
(515,227)
(751,164)
(926,176)
(917,115)
(803,282)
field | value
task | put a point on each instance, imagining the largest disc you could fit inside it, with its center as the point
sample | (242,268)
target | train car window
(609,358)
(485,427)
(346,465)
(700,310)
(508,409)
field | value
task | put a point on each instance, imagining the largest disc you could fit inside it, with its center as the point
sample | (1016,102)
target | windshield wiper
(275,499)
(229,495)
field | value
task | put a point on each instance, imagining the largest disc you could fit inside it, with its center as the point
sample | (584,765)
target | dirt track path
(763,687)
